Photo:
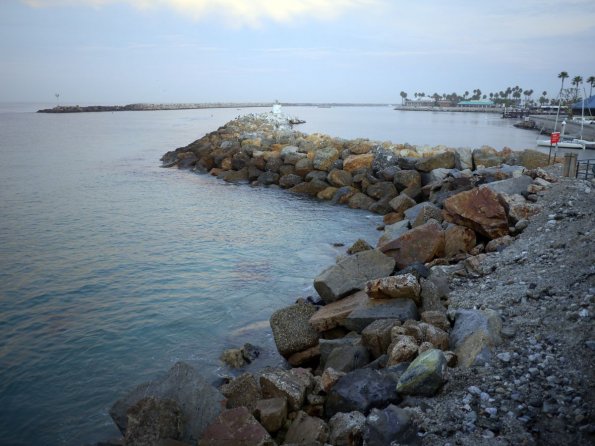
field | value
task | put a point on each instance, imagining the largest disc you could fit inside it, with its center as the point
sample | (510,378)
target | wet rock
(425,375)
(305,429)
(391,425)
(291,329)
(271,413)
(236,427)
(343,195)
(360,201)
(233,358)
(153,420)
(327,194)
(474,334)
(198,400)
(350,274)
(420,244)
(289,181)
(311,188)
(268,178)
(346,429)
(242,391)
(361,390)
(374,309)
(478,209)
(403,286)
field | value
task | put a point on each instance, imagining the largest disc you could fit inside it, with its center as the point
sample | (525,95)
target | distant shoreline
(191,106)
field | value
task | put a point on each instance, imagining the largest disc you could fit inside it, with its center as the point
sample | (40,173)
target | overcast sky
(123,51)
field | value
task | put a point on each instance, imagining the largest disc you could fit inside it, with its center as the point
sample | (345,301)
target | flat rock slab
(199,402)
(351,274)
(361,390)
(374,309)
(331,315)
(236,427)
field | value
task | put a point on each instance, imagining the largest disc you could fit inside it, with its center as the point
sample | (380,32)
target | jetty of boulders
(381,339)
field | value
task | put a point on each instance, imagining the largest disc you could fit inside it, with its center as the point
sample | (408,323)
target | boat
(562,144)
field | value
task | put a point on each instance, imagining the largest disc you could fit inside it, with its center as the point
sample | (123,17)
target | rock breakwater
(445,332)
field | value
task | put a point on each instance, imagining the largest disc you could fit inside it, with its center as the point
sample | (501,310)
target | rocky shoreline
(470,321)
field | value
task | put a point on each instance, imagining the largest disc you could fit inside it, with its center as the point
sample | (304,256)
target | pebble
(504,357)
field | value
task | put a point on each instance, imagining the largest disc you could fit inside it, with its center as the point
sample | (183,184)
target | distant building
(476,104)
(420,102)
(589,106)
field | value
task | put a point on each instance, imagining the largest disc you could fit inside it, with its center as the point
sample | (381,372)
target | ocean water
(112,268)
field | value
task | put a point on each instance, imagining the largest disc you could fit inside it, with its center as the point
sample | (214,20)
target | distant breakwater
(192,106)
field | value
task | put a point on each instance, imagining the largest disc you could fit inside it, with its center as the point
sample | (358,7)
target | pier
(545,124)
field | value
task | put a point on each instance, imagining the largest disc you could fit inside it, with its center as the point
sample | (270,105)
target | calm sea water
(112,269)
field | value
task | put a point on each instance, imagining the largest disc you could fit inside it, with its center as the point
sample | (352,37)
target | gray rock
(328,345)
(291,330)
(286,384)
(199,402)
(391,425)
(374,309)
(268,178)
(394,231)
(361,390)
(151,420)
(383,159)
(346,429)
(305,429)
(236,427)
(288,181)
(242,391)
(444,160)
(351,274)
(474,334)
(382,190)
(425,375)
(348,358)
(271,413)
(511,186)
(316,175)
(376,336)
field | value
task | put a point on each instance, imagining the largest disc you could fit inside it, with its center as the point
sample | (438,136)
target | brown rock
(311,188)
(332,314)
(152,420)
(327,194)
(339,178)
(478,209)
(236,427)
(242,391)
(359,246)
(329,377)
(458,240)
(427,212)
(434,335)
(499,244)
(445,160)
(360,146)
(303,167)
(436,318)
(271,413)
(355,162)
(420,244)
(360,201)
(392,217)
(404,349)
(401,203)
(306,430)
(304,357)
(403,286)
(487,157)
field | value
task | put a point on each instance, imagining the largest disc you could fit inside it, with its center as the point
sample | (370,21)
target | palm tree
(403,97)
(576,80)
(563,75)
(591,81)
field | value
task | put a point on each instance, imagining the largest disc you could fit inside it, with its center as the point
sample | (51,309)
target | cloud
(234,12)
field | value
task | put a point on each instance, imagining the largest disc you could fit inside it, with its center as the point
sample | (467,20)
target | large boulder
(346,429)
(361,390)
(408,182)
(351,274)
(403,286)
(487,157)
(271,413)
(420,244)
(311,188)
(236,427)
(393,231)
(374,309)
(291,385)
(532,159)
(391,425)
(356,162)
(346,358)
(444,160)
(151,420)
(339,178)
(425,375)
(511,186)
(288,181)
(198,401)
(383,158)
(242,391)
(478,209)
(474,335)
(305,429)
(382,190)
(333,314)
(291,329)
(324,158)
(376,337)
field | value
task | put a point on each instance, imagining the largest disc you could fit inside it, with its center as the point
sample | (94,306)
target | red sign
(555,138)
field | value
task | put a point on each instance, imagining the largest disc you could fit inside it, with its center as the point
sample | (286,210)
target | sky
(128,51)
